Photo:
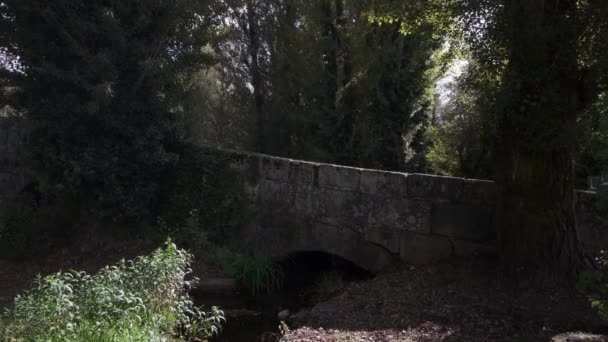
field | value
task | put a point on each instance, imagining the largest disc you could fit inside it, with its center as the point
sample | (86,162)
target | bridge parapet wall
(421,218)
(367,216)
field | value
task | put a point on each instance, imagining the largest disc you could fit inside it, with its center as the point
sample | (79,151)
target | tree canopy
(113,90)
(102,84)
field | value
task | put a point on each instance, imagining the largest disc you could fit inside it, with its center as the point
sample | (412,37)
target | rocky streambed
(309,278)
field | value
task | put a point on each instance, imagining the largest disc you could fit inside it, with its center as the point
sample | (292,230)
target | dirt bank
(460,301)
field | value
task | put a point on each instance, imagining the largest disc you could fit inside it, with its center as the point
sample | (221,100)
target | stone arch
(342,242)
(374,264)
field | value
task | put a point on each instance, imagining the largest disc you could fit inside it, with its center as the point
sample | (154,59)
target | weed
(255,271)
(145,299)
(595,285)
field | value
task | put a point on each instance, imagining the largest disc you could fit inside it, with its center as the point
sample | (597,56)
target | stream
(309,278)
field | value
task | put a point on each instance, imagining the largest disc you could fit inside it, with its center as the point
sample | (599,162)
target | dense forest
(508,90)
(118,95)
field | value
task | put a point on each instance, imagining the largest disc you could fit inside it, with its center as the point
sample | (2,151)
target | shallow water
(302,273)
(258,314)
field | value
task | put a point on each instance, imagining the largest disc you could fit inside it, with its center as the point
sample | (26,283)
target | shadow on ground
(460,301)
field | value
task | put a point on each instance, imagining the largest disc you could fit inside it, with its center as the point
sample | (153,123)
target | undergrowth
(595,285)
(145,299)
(255,271)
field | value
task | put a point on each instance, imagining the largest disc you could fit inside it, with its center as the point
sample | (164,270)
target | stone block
(435,187)
(6,167)
(275,169)
(479,191)
(303,204)
(346,243)
(7,184)
(251,191)
(388,212)
(468,248)
(238,162)
(396,184)
(594,182)
(383,183)
(302,173)
(339,177)
(337,207)
(467,222)
(243,164)
(421,249)
(401,214)
(419,216)
(275,196)
(420,185)
(7,155)
(386,237)
(248,167)
(371,181)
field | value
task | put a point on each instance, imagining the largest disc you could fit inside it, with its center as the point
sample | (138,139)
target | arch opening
(309,277)
(313,276)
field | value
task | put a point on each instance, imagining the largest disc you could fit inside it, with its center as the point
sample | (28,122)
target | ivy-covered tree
(592,154)
(546,89)
(551,68)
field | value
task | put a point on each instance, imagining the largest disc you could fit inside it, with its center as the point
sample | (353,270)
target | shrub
(595,285)
(35,223)
(255,271)
(145,299)
(200,199)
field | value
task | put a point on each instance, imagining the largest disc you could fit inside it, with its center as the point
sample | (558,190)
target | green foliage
(592,152)
(442,155)
(34,223)
(215,114)
(200,199)
(144,299)
(283,331)
(101,85)
(595,285)
(201,202)
(334,87)
(390,100)
(461,138)
(412,17)
(255,271)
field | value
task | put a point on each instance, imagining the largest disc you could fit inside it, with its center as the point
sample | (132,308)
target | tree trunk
(343,58)
(330,55)
(536,205)
(256,77)
(537,225)
(285,83)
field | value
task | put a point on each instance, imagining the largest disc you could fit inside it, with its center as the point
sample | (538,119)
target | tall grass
(145,299)
(594,284)
(256,271)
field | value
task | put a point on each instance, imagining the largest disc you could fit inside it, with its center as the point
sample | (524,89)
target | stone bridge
(369,217)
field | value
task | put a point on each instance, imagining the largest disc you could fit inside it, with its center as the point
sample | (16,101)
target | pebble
(283,315)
